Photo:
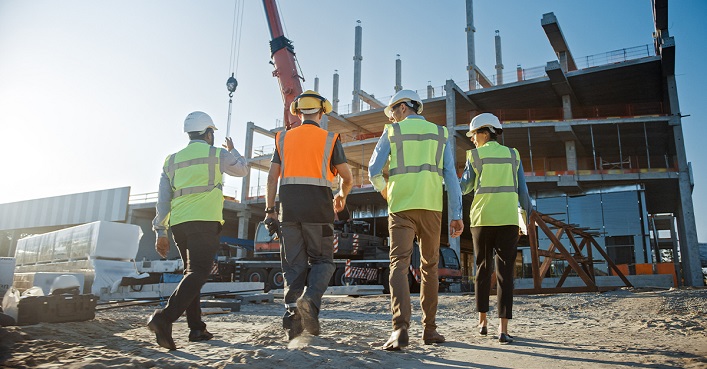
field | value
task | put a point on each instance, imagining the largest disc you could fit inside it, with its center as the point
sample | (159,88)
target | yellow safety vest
(197,182)
(495,186)
(416,165)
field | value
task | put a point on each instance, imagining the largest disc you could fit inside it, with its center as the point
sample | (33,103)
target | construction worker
(306,160)
(494,215)
(190,202)
(419,160)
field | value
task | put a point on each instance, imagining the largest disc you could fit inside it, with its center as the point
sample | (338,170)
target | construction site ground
(634,328)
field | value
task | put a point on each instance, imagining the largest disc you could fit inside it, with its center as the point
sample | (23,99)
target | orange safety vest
(305,153)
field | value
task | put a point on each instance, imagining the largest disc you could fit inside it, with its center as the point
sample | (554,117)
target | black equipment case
(56,308)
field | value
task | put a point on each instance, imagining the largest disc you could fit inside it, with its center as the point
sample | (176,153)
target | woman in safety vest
(495,174)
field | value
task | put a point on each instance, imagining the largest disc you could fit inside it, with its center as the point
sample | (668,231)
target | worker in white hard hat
(420,160)
(190,202)
(494,216)
(306,161)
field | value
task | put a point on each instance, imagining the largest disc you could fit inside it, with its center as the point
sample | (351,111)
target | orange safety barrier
(644,268)
(667,268)
(623,268)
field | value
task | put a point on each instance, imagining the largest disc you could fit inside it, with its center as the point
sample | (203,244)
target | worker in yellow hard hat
(494,216)
(306,161)
(190,202)
(419,160)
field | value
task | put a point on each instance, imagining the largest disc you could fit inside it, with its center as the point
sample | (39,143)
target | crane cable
(236,33)
(284,25)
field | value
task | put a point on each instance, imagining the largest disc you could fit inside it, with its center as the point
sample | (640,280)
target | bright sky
(93,93)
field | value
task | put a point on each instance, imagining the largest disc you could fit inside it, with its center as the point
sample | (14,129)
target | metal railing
(524,74)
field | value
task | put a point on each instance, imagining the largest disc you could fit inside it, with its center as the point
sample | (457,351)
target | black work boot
(310,315)
(292,323)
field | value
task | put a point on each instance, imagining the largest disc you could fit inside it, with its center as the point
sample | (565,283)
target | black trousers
(503,240)
(198,243)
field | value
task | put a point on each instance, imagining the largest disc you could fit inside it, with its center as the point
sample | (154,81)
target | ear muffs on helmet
(325,104)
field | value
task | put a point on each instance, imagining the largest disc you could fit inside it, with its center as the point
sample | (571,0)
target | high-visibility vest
(305,153)
(416,165)
(195,175)
(495,186)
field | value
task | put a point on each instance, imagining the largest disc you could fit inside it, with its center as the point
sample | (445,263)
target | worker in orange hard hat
(190,202)
(419,161)
(494,216)
(306,161)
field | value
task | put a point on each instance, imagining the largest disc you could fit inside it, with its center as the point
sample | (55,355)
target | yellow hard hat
(310,102)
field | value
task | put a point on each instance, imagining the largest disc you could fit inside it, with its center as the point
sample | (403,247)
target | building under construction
(600,137)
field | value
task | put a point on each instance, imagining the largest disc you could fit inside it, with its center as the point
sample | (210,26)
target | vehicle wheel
(414,286)
(385,280)
(339,279)
(276,279)
(256,275)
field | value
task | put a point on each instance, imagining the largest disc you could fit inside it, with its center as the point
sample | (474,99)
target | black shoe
(483,331)
(398,339)
(310,315)
(163,330)
(200,335)
(505,338)
(292,323)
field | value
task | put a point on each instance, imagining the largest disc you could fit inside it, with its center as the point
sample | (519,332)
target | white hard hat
(402,96)
(63,282)
(484,120)
(198,122)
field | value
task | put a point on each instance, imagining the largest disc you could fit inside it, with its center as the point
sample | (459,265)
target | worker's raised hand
(229,144)
(162,246)
(339,202)
(456,227)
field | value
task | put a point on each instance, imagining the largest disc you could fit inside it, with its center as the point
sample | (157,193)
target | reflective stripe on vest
(212,161)
(324,177)
(398,137)
(478,165)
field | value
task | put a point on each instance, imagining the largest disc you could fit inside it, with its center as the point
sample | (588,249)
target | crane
(285,63)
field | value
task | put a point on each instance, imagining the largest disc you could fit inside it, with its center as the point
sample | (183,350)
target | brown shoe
(431,336)
(398,339)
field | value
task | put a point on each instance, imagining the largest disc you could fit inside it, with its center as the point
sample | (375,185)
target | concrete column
(398,74)
(430,90)
(335,92)
(563,60)
(316,84)
(471,54)
(566,107)
(499,60)
(571,155)
(689,247)
(519,73)
(248,154)
(451,142)
(356,103)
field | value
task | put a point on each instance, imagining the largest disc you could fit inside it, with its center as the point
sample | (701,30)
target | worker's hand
(339,202)
(229,144)
(456,227)
(162,246)
(384,193)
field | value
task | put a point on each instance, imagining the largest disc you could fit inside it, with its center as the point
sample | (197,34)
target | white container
(97,240)
(7,274)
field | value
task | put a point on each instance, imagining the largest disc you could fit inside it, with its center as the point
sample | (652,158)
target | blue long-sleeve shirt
(230,162)
(381,155)
(469,176)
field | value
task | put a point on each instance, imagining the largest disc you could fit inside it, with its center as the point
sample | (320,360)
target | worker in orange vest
(306,160)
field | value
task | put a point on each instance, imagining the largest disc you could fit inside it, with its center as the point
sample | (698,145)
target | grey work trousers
(403,227)
(303,247)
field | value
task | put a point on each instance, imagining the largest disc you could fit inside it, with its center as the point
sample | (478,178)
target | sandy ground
(625,328)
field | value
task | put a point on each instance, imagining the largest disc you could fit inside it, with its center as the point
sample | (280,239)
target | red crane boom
(285,62)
